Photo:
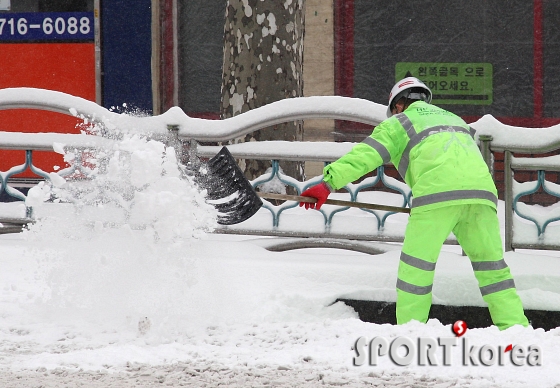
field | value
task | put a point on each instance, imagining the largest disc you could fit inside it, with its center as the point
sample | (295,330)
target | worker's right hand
(319,192)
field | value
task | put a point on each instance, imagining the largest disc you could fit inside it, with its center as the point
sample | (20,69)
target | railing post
(192,161)
(187,159)
(176,142)
(485,141)
(509,210)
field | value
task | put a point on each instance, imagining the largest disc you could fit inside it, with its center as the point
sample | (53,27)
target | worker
(435,153)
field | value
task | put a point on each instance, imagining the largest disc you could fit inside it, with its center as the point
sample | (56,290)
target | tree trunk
(263,63)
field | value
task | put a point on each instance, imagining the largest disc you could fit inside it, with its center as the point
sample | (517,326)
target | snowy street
(188,375)
(74,314)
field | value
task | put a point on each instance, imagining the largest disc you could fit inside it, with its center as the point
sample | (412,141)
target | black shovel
(228,189)
(236,200)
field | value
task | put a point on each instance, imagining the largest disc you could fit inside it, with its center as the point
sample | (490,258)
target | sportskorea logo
(428,351)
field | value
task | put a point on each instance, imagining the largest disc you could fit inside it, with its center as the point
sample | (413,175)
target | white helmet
(409,87)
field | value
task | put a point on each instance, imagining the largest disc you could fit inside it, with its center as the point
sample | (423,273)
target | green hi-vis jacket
(433,150)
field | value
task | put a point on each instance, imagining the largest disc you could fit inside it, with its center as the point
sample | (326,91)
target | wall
(126,54)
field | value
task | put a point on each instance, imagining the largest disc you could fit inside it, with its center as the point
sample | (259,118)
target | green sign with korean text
(452,83)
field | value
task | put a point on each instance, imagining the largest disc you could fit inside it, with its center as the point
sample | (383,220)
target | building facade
(492,57)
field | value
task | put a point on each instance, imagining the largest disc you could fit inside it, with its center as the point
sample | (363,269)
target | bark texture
(263,63)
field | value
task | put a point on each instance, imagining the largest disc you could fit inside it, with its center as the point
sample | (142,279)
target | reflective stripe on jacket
(433,150)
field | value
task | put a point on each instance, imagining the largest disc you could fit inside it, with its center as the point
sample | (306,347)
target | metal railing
(497,137)
(284,219)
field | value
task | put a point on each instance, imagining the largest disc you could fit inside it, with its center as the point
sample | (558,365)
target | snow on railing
(291,109)
(532,228)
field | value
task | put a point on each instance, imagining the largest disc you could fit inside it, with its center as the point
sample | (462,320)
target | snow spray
(124,229)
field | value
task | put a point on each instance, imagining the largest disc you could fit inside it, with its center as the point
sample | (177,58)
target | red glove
(320,192)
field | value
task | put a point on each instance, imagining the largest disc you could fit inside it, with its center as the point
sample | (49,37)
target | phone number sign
(452,83)
(46,26)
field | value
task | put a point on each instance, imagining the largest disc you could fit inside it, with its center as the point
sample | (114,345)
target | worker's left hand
(319,192)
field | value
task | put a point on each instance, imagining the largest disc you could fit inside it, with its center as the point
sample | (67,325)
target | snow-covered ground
(91,299)
(117,307)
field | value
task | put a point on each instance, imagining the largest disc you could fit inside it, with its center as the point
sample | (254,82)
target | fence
(525,226)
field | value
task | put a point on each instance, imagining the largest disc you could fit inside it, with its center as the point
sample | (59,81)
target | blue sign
(46,26)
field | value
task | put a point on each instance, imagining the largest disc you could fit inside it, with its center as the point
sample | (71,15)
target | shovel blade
(228,189)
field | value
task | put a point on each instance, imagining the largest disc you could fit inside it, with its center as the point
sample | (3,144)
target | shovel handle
(336,202)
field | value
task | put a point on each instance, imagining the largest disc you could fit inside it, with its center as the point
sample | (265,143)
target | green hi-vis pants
(477,230)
